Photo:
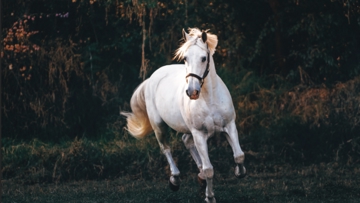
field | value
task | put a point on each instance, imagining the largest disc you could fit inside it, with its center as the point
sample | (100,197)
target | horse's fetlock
(240,159)
(210,200)
(165,150)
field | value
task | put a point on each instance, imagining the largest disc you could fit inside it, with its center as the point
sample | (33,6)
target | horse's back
(166,79)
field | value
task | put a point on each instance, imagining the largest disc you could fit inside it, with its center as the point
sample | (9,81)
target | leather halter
(201,79)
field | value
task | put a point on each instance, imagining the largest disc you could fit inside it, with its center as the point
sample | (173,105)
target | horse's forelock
(211,41)
(195,35)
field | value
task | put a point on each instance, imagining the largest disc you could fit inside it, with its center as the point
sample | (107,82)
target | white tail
(138,123)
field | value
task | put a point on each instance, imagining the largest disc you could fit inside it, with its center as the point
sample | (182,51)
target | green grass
(314,183)
(83,159)
(127,170)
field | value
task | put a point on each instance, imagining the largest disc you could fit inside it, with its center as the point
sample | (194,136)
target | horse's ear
(203,36)
(185,35)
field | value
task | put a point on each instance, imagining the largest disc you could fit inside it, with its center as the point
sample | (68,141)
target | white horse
(171,98)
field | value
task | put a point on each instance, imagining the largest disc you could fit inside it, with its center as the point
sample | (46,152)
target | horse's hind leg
(189,144)
(239,156)
(174,181)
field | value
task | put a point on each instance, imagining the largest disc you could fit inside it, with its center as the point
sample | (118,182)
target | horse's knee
(208,172)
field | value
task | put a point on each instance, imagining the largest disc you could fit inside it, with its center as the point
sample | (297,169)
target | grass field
(280,183)
(127,170)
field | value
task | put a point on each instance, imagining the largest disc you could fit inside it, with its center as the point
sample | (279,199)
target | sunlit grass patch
(36,161)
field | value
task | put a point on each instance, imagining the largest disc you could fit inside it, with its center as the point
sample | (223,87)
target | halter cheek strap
(201,79)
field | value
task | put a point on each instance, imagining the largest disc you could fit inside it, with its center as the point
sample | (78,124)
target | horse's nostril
(194,94)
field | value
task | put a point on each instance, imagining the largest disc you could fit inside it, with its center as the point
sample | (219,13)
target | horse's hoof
(174,183)
(210,200)
(173,187)
(240,172)
(202,182)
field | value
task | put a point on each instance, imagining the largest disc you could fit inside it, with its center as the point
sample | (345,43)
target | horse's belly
(174,120)
(169,111)
(179,128)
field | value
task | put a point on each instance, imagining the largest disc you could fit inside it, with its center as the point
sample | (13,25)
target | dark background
(292,66)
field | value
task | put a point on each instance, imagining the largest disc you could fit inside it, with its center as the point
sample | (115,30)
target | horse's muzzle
(193,88)
(193,95)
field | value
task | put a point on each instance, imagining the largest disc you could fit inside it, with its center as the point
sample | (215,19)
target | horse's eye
(203,59)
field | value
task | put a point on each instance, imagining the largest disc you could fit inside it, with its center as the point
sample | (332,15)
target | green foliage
(69,66)
(316,36)
(87,53)
(301,123)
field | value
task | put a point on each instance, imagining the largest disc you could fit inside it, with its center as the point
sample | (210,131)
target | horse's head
(196,60)
(196,52)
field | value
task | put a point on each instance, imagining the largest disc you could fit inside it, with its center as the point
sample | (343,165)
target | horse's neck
(210,82)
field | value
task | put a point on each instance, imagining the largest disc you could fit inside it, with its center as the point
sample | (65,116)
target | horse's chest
(212,122)
(217,119)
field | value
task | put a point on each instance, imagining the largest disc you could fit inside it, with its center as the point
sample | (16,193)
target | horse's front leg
(239,156)
(189,144)
(200,141)
(174,181)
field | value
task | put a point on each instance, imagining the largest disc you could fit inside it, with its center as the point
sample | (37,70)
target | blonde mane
(195,34)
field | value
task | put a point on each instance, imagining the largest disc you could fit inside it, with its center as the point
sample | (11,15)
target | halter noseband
(201,79)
